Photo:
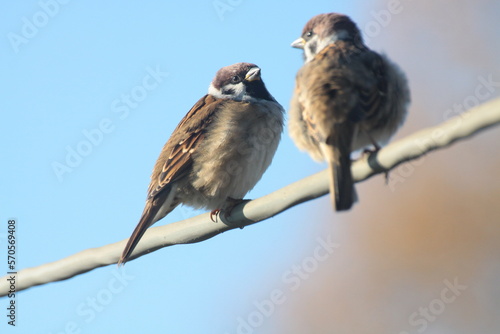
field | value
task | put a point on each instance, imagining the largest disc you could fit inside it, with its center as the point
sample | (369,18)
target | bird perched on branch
(219,150)
(347,97)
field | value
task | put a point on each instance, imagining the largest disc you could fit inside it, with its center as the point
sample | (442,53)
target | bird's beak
(253,74)
(298,43)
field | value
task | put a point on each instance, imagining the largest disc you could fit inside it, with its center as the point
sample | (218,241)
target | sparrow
(346,98)
(219,150)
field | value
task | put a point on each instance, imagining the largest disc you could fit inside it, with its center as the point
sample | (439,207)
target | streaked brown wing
(325,93)
(373,95)
(345,83)
(334,81)
(174,162)
(303,97)
(176,157)
(311,127)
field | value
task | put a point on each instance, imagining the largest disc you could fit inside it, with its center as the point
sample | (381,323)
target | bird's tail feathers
(155,209)
(337,153)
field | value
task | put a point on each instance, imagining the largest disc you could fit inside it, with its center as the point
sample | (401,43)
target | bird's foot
(375,150)
(227,209)
(215,213)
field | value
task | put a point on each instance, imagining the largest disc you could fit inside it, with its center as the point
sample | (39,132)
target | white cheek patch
(323,43)
(214,91)
(309,55)
(336,36)
(312,48)
(229,91)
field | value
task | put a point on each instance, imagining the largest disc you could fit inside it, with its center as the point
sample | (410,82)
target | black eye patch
(228,91)
(313,46)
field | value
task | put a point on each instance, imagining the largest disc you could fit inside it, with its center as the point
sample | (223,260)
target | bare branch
(200,228)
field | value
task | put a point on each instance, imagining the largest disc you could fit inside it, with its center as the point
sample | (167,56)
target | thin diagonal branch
(200,228)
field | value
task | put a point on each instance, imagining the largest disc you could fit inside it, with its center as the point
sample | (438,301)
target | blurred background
(419,255)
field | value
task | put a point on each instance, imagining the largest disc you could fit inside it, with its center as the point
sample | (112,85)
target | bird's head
(239,82)
(325,29)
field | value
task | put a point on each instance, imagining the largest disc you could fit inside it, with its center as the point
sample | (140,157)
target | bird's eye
(235,79)
(308,34)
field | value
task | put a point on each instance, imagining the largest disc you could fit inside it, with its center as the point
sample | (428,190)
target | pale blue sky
(66,69)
